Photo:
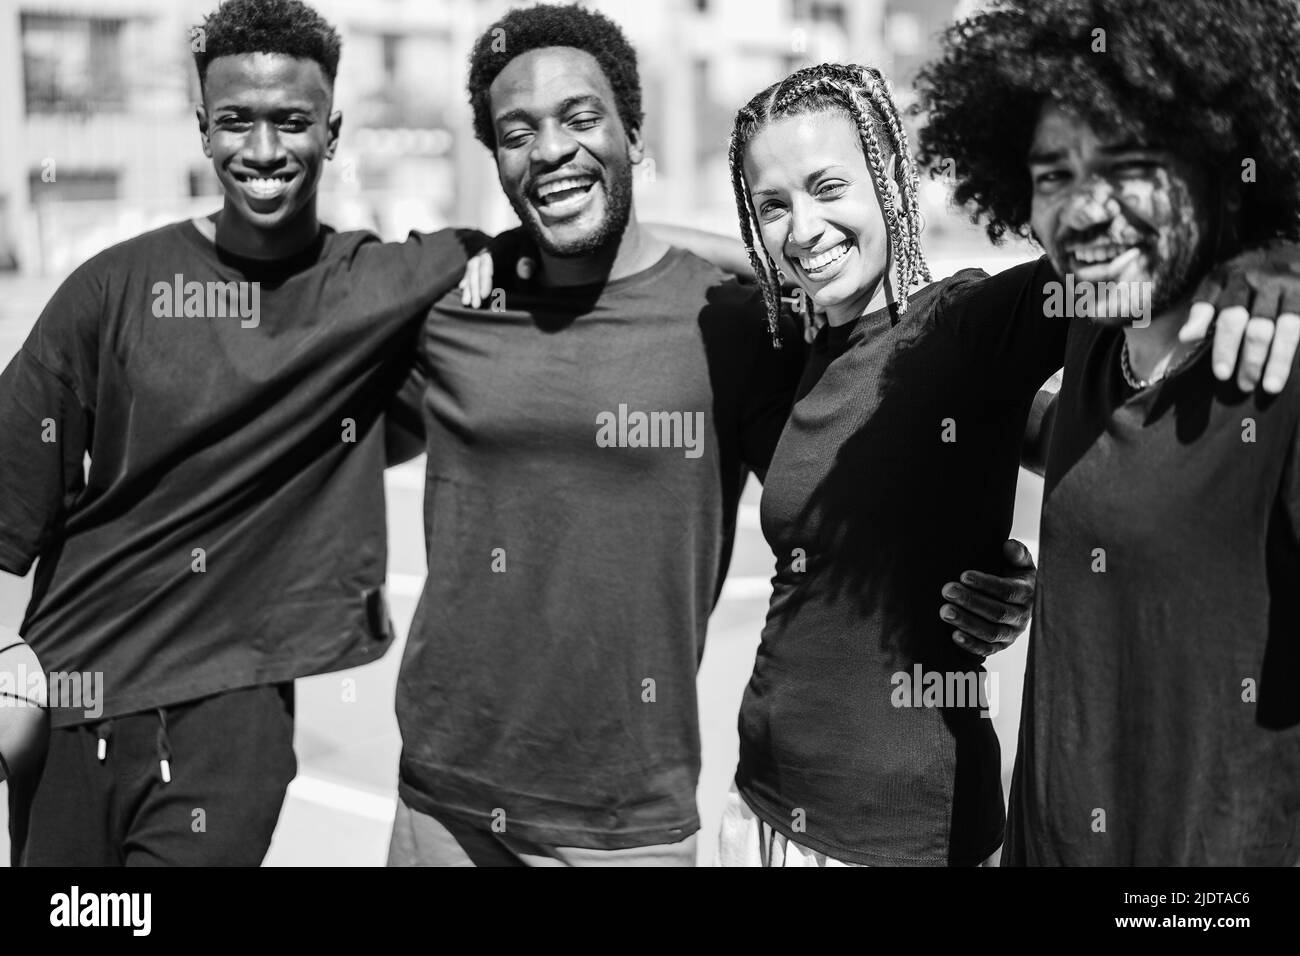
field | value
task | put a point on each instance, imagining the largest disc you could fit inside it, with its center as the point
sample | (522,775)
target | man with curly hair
(226,378)
(588,441)
(1138,142)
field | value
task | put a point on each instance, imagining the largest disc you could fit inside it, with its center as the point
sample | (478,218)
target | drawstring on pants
(162,742)
(164,748)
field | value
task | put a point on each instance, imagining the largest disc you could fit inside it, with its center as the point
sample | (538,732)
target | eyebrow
(278,111)
(1049,157)
(586,99)
(808,181)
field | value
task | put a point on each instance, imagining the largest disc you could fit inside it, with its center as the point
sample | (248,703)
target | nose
(552,146)
(806,226)
(262,147)
(1090,204)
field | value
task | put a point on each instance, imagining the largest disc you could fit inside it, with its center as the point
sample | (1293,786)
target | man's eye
(1135,167)
(514,140)
(231,122)
(1051,177)
(585,121)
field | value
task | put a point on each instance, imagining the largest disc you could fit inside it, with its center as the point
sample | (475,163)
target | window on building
(820,11)
(70,185)
(72,64)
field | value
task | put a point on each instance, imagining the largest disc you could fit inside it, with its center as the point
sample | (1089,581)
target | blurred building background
(100,140)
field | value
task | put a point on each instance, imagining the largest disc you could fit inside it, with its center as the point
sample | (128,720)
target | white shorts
(746,840)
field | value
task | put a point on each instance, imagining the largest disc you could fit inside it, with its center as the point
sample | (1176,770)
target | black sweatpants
(194,784)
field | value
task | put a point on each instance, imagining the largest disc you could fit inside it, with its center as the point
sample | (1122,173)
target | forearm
(1038,430)
(725,252)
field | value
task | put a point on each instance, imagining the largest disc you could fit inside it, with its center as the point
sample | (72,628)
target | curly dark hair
(1211,79)
(268,26)
(553,25)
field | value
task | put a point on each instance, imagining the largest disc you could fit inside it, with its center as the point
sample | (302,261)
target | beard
(618,210)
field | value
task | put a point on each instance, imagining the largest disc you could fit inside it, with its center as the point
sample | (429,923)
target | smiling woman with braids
(864,730)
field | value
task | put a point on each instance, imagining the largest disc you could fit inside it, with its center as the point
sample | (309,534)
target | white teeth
(1091,255)
(265,188)
(560,185)
(823,259)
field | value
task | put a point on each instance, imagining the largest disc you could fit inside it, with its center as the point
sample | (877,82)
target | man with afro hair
(1138,141)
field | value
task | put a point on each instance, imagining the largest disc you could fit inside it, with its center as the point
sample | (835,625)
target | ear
(201,114)
(635,145)
(335,124)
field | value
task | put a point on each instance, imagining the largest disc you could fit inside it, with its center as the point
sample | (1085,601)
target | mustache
(1132,234)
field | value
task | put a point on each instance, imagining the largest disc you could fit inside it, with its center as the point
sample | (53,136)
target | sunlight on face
(1108,208)
(818,213)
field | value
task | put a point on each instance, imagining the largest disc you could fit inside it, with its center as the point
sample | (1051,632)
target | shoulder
(147,251)
(450,246)
(975,287)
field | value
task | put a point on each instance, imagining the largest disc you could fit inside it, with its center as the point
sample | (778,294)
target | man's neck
(635,251)
(1154,348)
(237,235)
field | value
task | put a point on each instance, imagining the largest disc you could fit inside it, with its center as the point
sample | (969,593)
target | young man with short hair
(227,378)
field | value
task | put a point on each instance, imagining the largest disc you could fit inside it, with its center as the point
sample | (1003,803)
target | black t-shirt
(230,530)
(897,471)
(1161,717)
(587,450)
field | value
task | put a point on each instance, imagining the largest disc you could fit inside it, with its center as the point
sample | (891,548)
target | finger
(1237,291)
(464,292)
(1017,554)
(1228,330)
(1286,338)
(986,614)
(973,646)
(485,276)
(1268,299)
(1015,589)
(1198,322)
(1209,290)
(1254,352)
(976,627)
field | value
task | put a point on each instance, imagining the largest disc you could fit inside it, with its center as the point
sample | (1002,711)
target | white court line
(338,796)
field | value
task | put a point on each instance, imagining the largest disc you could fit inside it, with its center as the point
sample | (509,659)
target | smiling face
(818,212)
(1107,208)
(563,155)
(267,127)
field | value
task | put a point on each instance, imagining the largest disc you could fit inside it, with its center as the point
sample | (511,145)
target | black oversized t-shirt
(587,450)
(1161,716)
(231,529)
(897,471)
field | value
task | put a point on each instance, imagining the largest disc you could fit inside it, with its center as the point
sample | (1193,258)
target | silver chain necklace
(1141,383)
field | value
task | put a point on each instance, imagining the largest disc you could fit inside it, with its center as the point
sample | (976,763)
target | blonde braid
(767,281)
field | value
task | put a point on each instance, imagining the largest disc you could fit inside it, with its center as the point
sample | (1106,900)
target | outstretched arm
(725,252)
